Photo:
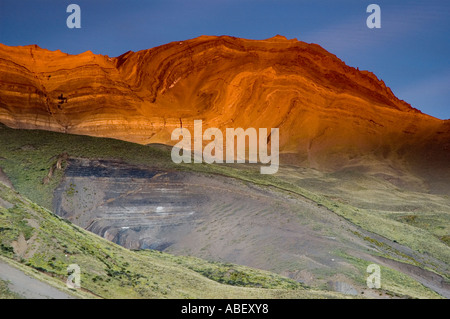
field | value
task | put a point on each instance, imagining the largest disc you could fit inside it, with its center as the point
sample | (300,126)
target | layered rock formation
(329,114)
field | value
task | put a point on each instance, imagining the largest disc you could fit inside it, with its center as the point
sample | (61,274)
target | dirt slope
(223,219)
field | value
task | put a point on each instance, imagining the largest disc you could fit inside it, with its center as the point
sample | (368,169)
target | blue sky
(410,52)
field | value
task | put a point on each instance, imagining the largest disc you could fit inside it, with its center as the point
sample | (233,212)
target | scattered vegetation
(446,239)
(6,293)
(111,271)
(393,282)
(230,274)
(30,158)
(31,162)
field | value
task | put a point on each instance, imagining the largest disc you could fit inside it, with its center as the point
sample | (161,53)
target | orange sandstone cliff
(329,114)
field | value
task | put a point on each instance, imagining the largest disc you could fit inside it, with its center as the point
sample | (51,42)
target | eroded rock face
(136,207)
(218,218)
(224,219)
(329,114)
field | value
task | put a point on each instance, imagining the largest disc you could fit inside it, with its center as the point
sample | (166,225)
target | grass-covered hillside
(40,243)
(407,226)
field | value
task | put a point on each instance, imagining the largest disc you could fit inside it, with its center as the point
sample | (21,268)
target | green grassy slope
(27,157)
(36,239)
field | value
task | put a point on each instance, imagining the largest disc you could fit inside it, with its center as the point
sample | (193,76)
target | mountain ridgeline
(330,115)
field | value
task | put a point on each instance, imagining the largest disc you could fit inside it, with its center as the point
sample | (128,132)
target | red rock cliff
(328,113)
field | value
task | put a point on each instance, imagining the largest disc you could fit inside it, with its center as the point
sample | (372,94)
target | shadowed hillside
(301,223)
